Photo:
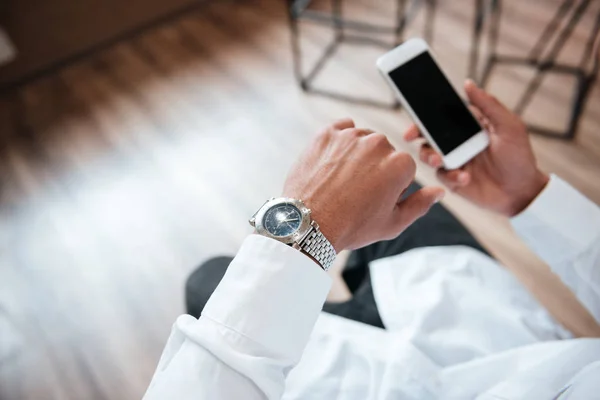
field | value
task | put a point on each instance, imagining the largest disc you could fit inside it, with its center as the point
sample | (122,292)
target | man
(456,324)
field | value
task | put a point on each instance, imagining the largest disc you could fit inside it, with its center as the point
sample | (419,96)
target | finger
(454,179)
(402,194)
(490,107)
(430,157)
(342,124)
(404,168)
(477,113)
(483,121)
(414,207)
(378,140)
(357,132)
(411,133)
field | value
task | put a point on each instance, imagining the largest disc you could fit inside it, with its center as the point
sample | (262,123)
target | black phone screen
(435,102)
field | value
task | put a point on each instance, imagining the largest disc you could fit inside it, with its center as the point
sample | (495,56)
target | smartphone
(435,106)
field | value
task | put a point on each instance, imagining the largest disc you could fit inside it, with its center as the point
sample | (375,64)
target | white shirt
(459,326)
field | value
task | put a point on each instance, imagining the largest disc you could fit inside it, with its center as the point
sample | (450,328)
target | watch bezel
(298,234)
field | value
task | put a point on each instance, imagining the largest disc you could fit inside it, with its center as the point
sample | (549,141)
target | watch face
(282,220)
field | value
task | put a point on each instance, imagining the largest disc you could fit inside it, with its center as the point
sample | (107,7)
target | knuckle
(351,132)
(333,126)
(378,139)
(341,123)
(356,132)
(327,131)
(406,162)
(325,135)
(362,132)
(324,138)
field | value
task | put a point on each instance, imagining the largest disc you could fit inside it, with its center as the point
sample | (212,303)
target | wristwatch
(288,221)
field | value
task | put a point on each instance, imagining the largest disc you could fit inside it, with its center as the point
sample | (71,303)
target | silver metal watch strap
(317,245)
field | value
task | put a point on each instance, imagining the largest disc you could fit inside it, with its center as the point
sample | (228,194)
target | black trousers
(438,228)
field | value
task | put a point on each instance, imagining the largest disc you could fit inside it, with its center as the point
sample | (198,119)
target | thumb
(415,206)
(491,108)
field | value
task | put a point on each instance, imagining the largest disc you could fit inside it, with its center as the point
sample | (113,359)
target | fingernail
(470,81)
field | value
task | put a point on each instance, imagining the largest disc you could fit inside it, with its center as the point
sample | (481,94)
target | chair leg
(431,7)
(543,57)
(295,42)
(476,39)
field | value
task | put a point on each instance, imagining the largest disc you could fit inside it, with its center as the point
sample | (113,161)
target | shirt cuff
(559,222)
(272,294)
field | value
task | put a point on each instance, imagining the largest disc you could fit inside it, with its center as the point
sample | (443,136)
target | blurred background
(138,136)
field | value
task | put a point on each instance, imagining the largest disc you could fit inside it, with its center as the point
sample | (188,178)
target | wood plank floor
(120,174)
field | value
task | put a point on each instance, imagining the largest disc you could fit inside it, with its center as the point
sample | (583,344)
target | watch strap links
(318,247)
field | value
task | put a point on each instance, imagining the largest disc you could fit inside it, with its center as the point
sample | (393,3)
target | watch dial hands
(288,220)
(283,220)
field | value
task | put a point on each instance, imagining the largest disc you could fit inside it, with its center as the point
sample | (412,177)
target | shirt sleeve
(252,331)
(563,227)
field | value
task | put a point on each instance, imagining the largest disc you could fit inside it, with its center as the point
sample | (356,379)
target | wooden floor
(118,175)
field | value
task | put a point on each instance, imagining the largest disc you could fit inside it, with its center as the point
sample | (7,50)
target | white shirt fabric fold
(563,228)
(458,325)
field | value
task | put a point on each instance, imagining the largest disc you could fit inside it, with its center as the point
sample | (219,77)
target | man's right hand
(503,178)
(353,180)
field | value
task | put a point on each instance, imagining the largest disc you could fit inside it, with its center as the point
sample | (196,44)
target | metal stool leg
(585,83)
(536,52)
(542,57)
(298,10)
(336,7)
(431,6)
(400,21)
(295,39)
(548,62)
(476,39)
(496,11)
